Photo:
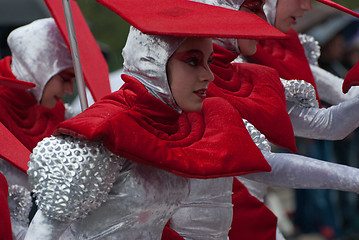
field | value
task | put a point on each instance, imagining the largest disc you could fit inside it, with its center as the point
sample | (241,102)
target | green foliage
(352,4)
(109,29)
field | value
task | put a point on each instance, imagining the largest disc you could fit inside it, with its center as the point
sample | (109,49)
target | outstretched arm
(329,87)
(333,123)
(296,171)
(310,121)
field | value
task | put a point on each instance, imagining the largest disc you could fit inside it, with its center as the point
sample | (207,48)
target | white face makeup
(57,87)
(189,74)
(288,11)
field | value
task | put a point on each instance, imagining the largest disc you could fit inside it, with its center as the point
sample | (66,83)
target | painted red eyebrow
(185,55)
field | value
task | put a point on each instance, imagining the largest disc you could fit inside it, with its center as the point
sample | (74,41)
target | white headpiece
(145,58)
(38,53)
(270,9)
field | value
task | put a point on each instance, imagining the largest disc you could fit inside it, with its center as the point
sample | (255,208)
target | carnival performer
(120,169)
(35,78)
(289,58)
(33,114)
(297,58)
(230,83)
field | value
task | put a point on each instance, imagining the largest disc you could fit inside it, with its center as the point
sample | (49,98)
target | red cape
(135,125)
(257,94)
(5,223)
(287,57)
(28,121)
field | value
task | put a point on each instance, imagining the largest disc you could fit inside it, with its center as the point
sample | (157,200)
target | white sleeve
(43,227)
(329,87)
(333,123)
(296,171)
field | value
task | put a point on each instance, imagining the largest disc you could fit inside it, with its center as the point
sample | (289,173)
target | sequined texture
(258,138)
(71,177)
(259,190)
(145,58)
(311,48)
(300,92)
(20,204)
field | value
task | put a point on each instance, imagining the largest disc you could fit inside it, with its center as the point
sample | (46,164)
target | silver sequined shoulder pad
(71,177)
(258,138)
(311,48)
(300,92)
(19,204)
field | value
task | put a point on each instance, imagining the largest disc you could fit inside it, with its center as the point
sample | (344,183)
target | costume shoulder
(90,123)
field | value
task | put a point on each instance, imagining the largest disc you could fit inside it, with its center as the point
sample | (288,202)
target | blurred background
(303,214)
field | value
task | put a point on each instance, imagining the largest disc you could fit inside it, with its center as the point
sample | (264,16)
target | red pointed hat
(93,63)
(12,150)
(185,18)
(14,83)
(339,7)
(351,79)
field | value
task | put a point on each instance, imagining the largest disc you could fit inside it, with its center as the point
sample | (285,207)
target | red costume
(5,224)
(22,115)
(287,57)
(145,130)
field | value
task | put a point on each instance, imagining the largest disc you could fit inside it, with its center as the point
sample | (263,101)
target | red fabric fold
(135,125)
(351,79)
(28,121)
(287,57)
(12,150)
(5,223)
(257,94)
(251,218)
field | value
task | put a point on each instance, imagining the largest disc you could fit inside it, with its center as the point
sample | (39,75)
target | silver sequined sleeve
(296,171)
(309,121)
(71,177)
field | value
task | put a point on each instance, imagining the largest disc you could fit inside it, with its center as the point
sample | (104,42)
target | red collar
(135,125)
(257,94)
